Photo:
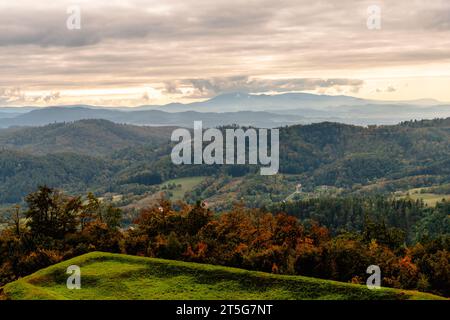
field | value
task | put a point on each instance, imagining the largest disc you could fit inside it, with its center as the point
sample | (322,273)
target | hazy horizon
(428,101)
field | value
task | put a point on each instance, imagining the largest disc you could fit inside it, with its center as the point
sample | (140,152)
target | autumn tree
(51,214)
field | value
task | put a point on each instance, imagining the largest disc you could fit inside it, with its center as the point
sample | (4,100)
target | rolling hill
(93,137)
(106,276)
(44,116)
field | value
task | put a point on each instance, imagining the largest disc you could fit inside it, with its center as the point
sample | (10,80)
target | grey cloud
(145,96)
(389,89)
(438,20)
(49,28)
(170,87)
(219,85)
(26,26)
(54,96)
(189,20)
(14,96)
(11,95)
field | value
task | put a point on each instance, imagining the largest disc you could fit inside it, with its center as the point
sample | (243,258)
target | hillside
(131,159)
(20,173)
(91,137)
(112,276)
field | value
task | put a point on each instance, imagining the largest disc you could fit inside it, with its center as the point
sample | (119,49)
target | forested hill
(93,137)
(102,156)
(341,155)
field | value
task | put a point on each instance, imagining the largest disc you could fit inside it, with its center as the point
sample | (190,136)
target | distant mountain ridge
(239,101)
(50,115)
(238,108)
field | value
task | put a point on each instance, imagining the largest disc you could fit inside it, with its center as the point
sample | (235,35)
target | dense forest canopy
(101,156)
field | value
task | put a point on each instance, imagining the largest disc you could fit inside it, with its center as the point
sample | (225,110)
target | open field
(428,198)
(186,184)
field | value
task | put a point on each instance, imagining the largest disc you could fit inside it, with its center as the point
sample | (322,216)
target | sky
(134,52)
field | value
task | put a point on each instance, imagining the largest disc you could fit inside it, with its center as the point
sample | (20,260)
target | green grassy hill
(115,276)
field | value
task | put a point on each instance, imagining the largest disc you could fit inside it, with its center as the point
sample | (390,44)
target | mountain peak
(231,95)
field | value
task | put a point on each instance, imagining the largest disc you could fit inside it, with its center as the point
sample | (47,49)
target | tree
(394,238)
(196,219)
(16,218)
(51,214)
(90,210)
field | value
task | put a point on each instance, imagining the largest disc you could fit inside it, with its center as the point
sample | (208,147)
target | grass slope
(186,184)
(114,276)
(429,198)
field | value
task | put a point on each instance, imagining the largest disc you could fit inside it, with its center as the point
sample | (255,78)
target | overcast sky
(134,52)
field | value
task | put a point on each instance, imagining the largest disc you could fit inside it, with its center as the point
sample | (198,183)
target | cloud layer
(205,88)
(163,50)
